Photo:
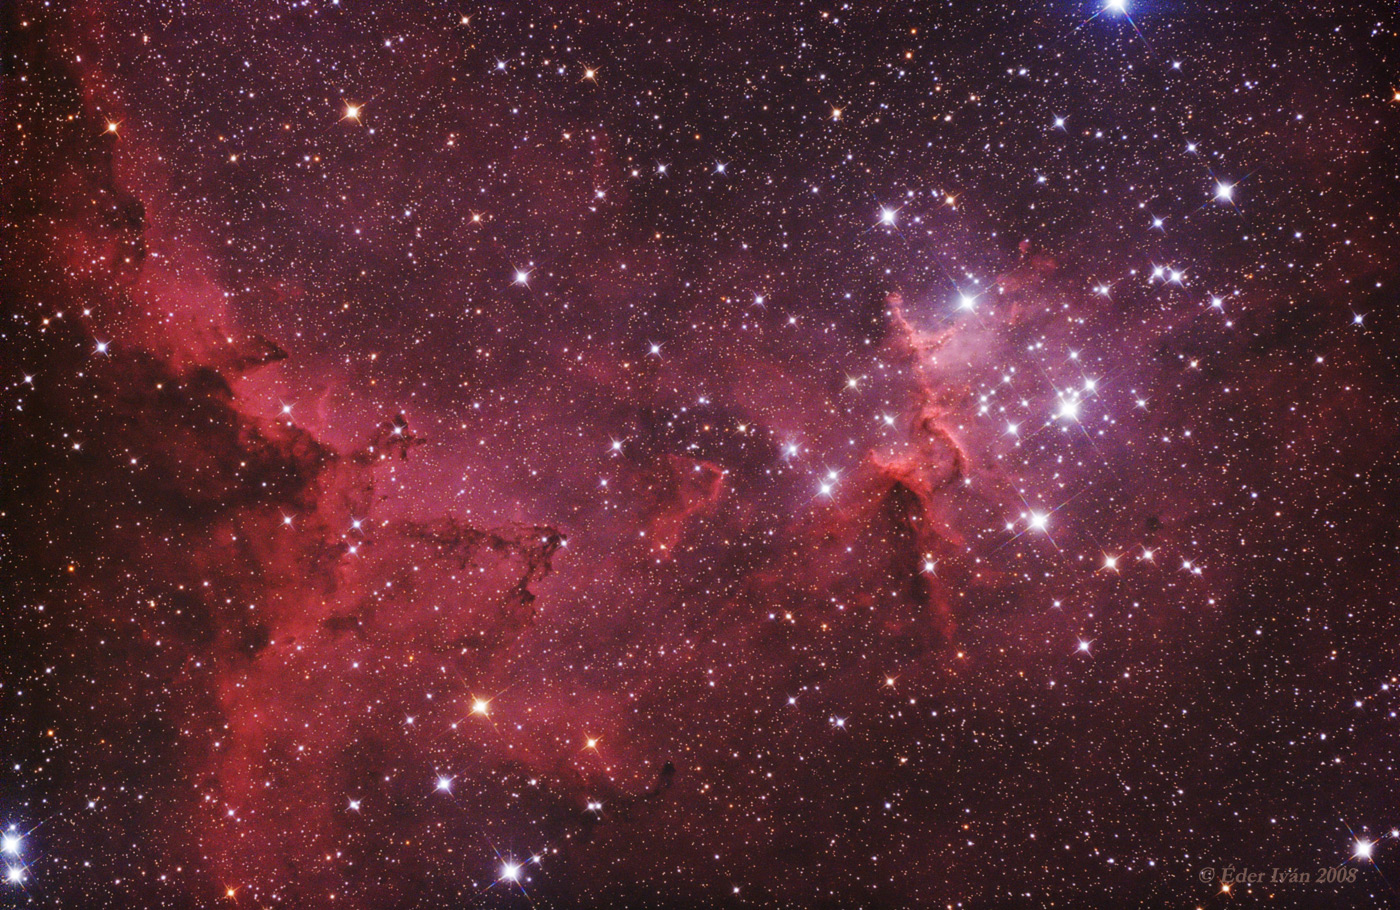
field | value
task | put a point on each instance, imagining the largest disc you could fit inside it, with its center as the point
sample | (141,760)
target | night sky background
(698,454)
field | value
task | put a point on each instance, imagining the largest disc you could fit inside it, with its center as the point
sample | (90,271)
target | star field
(860,455)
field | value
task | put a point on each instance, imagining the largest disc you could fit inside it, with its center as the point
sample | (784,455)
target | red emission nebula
(668,455)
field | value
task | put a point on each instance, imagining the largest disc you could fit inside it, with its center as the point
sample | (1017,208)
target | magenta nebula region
(679,455)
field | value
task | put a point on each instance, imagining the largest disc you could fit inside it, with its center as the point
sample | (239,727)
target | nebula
(677,457)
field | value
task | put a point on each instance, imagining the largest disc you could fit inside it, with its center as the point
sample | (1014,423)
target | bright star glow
(888,216)
(1039,521)
(511,872)
(1224,191)
(444,784)
(1364,849)
(10,843)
